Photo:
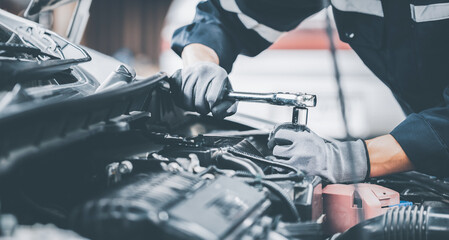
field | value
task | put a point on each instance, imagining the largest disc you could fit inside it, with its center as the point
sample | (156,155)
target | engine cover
(166,205)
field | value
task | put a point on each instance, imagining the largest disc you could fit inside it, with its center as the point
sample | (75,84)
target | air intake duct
(412,222)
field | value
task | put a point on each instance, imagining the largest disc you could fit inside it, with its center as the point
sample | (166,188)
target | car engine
(136,178)
(127,163)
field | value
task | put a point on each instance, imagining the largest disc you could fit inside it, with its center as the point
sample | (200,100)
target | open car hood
(78,21)
(26,132)
(34,119)
(28,51)
(39,6)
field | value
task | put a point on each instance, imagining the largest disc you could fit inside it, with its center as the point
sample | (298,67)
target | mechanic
(404,42)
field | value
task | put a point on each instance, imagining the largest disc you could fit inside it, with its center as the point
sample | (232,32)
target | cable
(337,76)
(416,184)
(51,213)
(272,177)
(278,191)
(263,160)
(228,160)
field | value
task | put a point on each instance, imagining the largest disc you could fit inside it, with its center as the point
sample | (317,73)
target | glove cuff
(360,159)
(368,162)
(353,162)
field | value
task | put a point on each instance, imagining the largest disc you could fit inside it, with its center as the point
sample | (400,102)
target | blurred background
(138,33)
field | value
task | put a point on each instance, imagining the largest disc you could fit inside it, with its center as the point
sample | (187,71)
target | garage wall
(14,6)
(132,24)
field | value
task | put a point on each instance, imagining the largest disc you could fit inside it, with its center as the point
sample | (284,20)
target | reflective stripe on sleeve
(371,7)
(432,12)
(269,34)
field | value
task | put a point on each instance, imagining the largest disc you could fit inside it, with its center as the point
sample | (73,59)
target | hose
(273,177)
(227,160)
(265,161)
(278,191)
(412,222)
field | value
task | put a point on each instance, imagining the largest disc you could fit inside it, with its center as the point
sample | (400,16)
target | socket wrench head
(300,116)
(295,99)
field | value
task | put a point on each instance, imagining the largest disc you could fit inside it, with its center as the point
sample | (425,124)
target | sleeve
(424,137)
(233,27)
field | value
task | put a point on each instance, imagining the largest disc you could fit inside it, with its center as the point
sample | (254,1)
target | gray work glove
(202,88)
(302,148)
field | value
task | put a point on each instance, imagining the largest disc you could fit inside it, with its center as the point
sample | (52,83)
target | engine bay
(89,158)
(137,179)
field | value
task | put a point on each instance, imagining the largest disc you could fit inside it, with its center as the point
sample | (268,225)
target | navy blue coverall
(405,43)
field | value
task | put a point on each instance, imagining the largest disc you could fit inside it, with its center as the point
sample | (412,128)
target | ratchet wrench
(300,101)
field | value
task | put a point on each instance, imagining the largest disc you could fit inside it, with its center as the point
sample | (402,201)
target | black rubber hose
(413,222)
(273,177)
(278,191)
(265,161)
(229,161)
(244,174)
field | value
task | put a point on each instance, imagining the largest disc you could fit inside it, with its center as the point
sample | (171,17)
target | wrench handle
(251,97)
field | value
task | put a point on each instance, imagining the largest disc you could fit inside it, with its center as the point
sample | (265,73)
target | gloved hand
(307,151)
(202,88)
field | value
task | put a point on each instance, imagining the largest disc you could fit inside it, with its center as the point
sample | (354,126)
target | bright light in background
(301,62)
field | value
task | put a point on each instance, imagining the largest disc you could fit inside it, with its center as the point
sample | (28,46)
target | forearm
(194,53)
(386,156)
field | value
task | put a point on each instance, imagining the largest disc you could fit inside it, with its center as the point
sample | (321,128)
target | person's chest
(404,42)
